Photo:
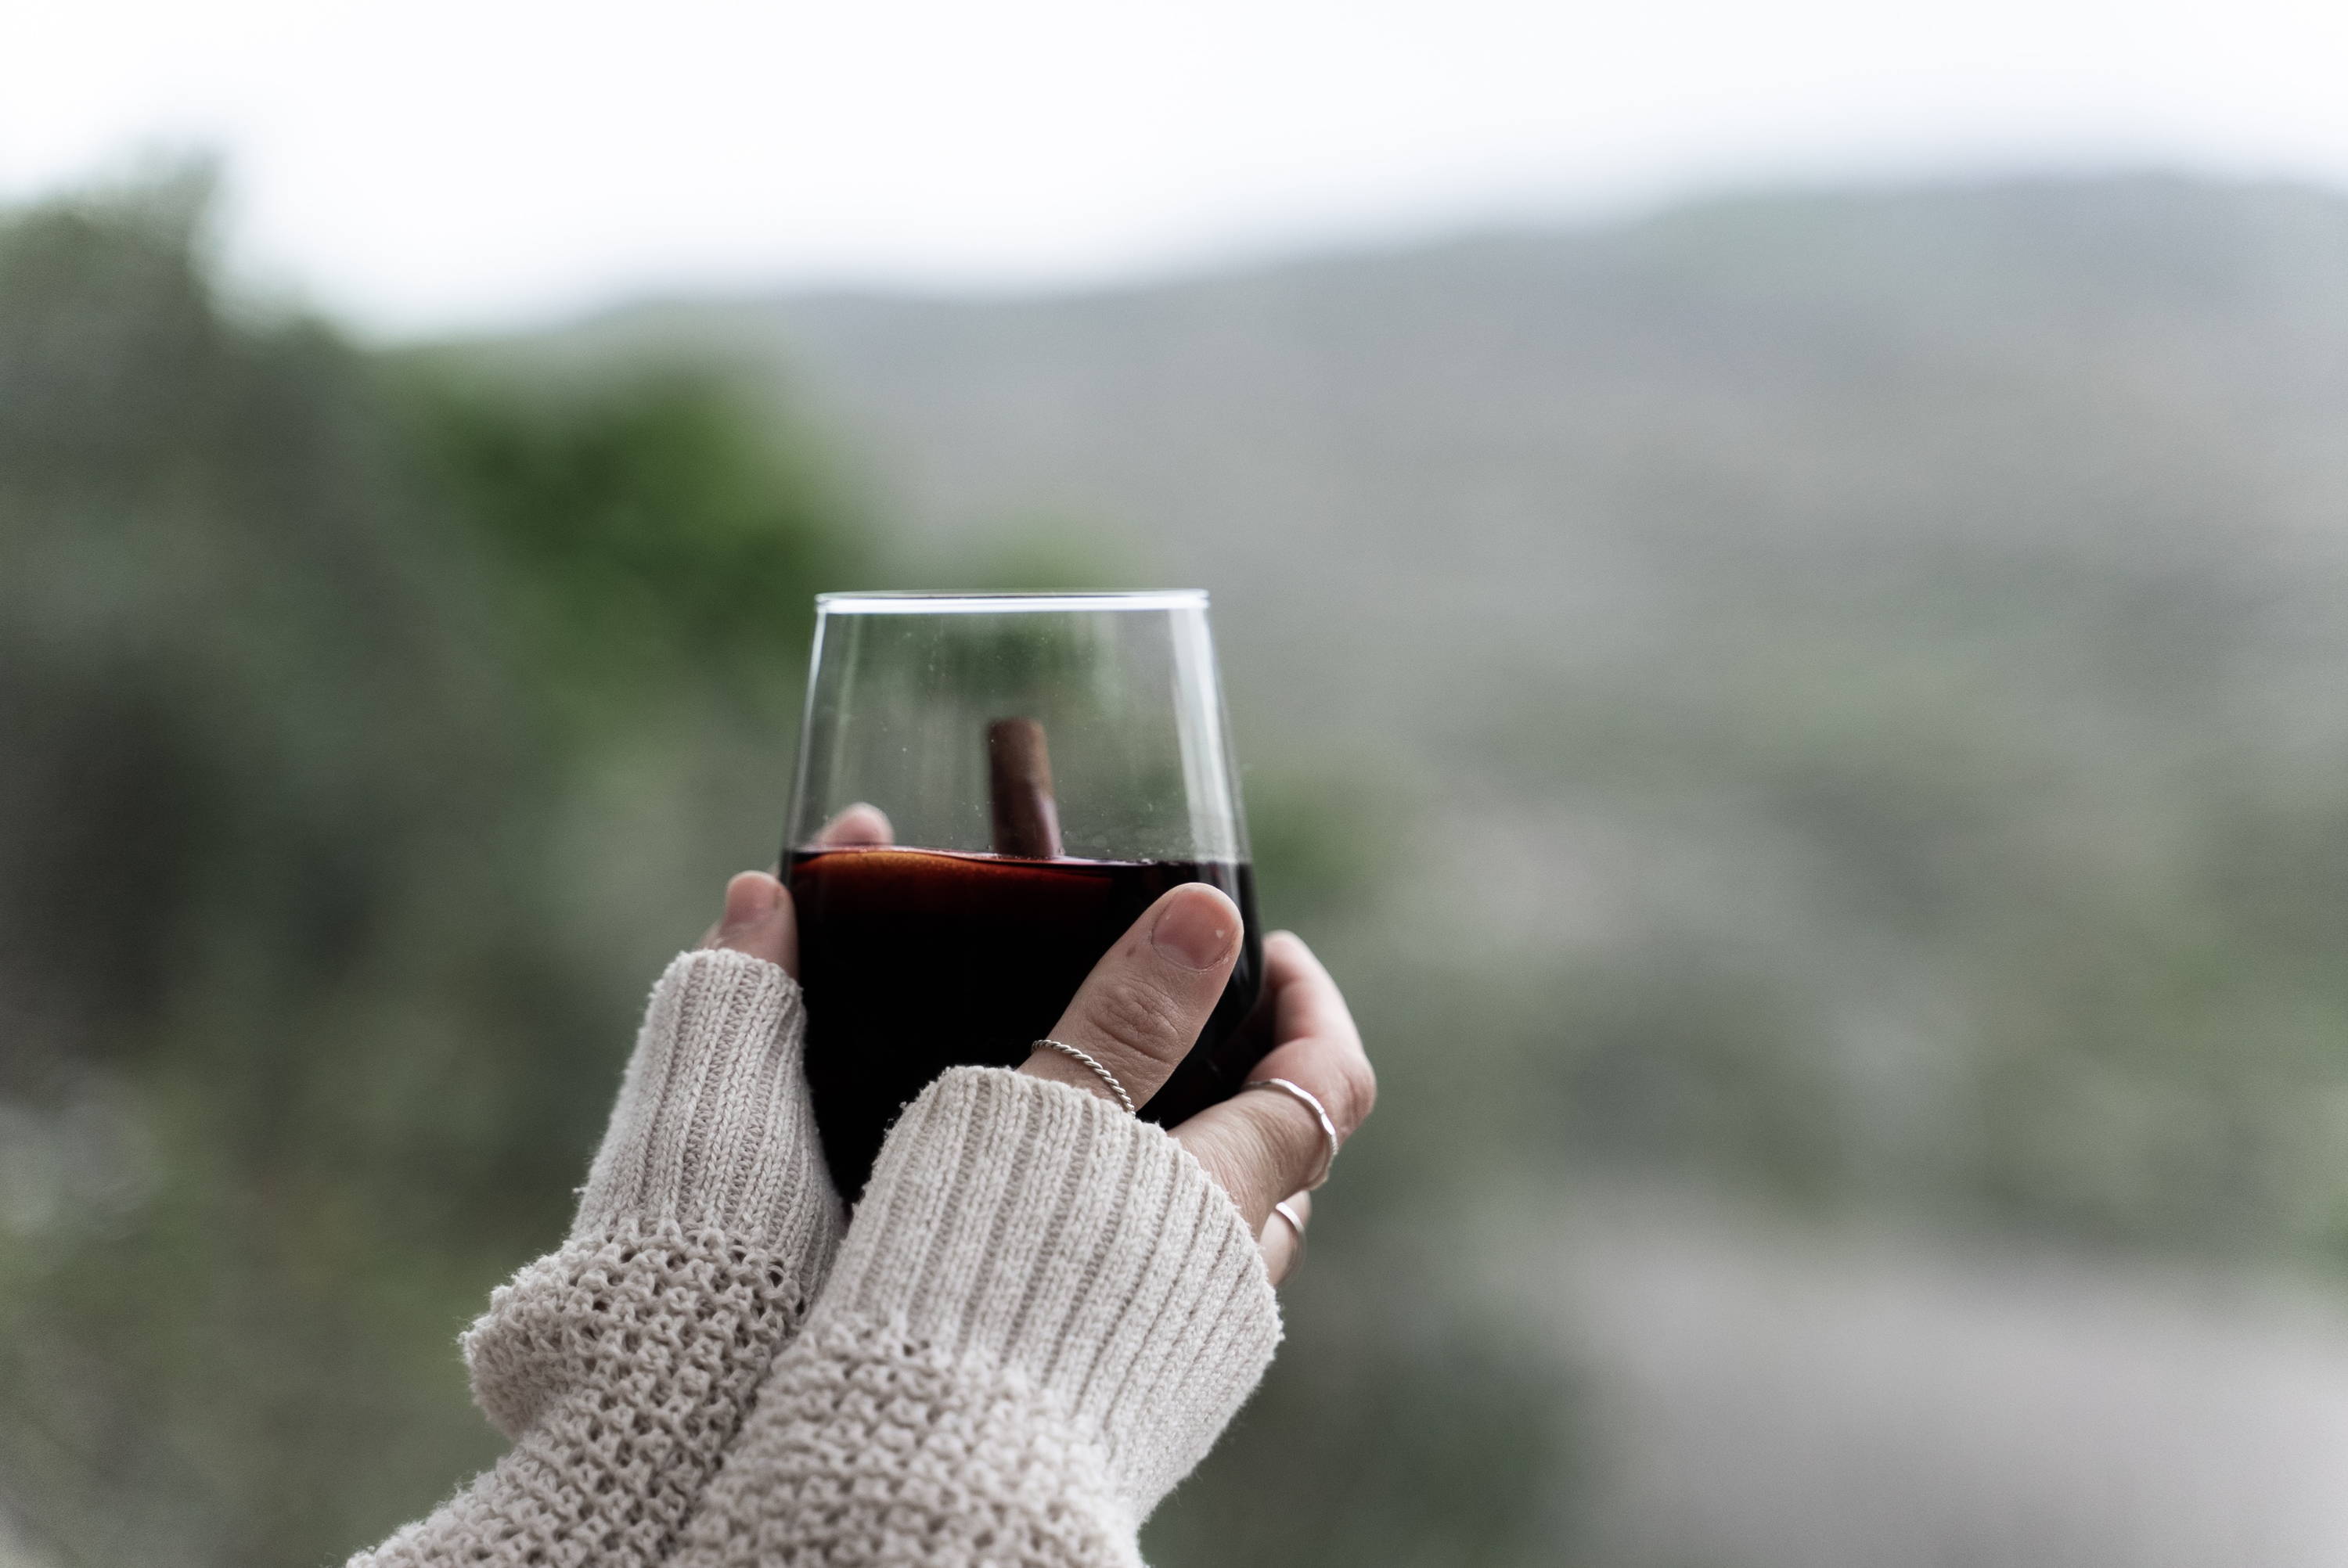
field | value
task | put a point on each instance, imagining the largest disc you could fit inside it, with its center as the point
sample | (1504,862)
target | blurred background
(1784,584)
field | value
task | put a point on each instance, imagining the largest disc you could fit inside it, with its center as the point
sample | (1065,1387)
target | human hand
(760,919)
(1140,1010)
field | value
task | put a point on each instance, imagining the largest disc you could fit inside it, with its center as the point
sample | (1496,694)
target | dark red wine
(915,960)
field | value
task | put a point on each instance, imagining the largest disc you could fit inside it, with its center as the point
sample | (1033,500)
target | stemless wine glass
(991,788)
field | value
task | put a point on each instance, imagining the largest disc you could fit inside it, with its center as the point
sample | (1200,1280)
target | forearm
(1043,1315)
(622,1364)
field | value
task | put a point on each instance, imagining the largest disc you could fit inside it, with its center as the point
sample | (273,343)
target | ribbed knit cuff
(713,1127)
(1085,1254)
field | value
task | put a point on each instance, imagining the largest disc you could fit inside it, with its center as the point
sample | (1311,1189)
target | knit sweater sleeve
(620,1365)
(1041,1317)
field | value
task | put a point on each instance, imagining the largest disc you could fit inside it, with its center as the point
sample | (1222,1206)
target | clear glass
(990,788)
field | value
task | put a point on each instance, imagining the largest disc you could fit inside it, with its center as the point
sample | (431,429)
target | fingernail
(1196,932)
(751,896)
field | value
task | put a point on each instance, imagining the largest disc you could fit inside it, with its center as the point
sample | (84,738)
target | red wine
(915,960)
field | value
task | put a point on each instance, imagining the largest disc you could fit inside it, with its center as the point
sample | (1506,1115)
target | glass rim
(924,602)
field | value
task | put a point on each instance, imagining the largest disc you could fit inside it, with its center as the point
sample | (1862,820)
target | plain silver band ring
(1305,1097)
(1064,1049)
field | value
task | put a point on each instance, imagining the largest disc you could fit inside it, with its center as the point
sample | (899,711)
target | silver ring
(1064,1049)
(1305,1097)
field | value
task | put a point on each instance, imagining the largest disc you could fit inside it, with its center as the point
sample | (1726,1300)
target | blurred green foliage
(1322,831)
(312,671)
(1404,1427)
(644,530)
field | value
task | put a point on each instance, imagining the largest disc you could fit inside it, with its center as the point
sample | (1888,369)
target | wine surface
(915,960)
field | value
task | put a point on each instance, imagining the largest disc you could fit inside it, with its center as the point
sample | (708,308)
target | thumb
(1141,1008)
(758,920)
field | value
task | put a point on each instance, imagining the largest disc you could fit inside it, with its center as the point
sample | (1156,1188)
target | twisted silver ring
(1064,1049)
(1305,1098)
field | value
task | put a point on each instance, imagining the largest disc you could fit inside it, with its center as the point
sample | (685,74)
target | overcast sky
(434,164)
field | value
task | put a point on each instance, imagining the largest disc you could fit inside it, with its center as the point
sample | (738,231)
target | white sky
(433,164)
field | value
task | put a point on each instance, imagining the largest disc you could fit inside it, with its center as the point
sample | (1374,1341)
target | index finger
(1306,1005)
(862,825)
(1261,1145)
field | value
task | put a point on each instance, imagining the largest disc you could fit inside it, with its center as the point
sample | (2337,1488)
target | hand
(1139,1012)
(1140,1009)
(760,919)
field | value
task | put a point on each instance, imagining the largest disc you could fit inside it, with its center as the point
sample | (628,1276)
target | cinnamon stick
(1019,790)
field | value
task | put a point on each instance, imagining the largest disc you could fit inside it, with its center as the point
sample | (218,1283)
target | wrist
(1035,1229)
(713,1128)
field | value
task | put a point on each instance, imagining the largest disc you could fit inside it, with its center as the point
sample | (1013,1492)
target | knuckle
(1288,1141)
(1142,1018)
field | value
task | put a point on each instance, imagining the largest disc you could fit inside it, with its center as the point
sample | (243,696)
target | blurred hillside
(1808,726)
(1864,667)
(1830,700)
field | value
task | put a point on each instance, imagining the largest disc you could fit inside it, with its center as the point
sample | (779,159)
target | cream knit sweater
(1041,1316)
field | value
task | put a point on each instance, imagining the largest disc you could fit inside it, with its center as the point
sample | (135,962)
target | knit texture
(1043,1315)
(620,1364)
